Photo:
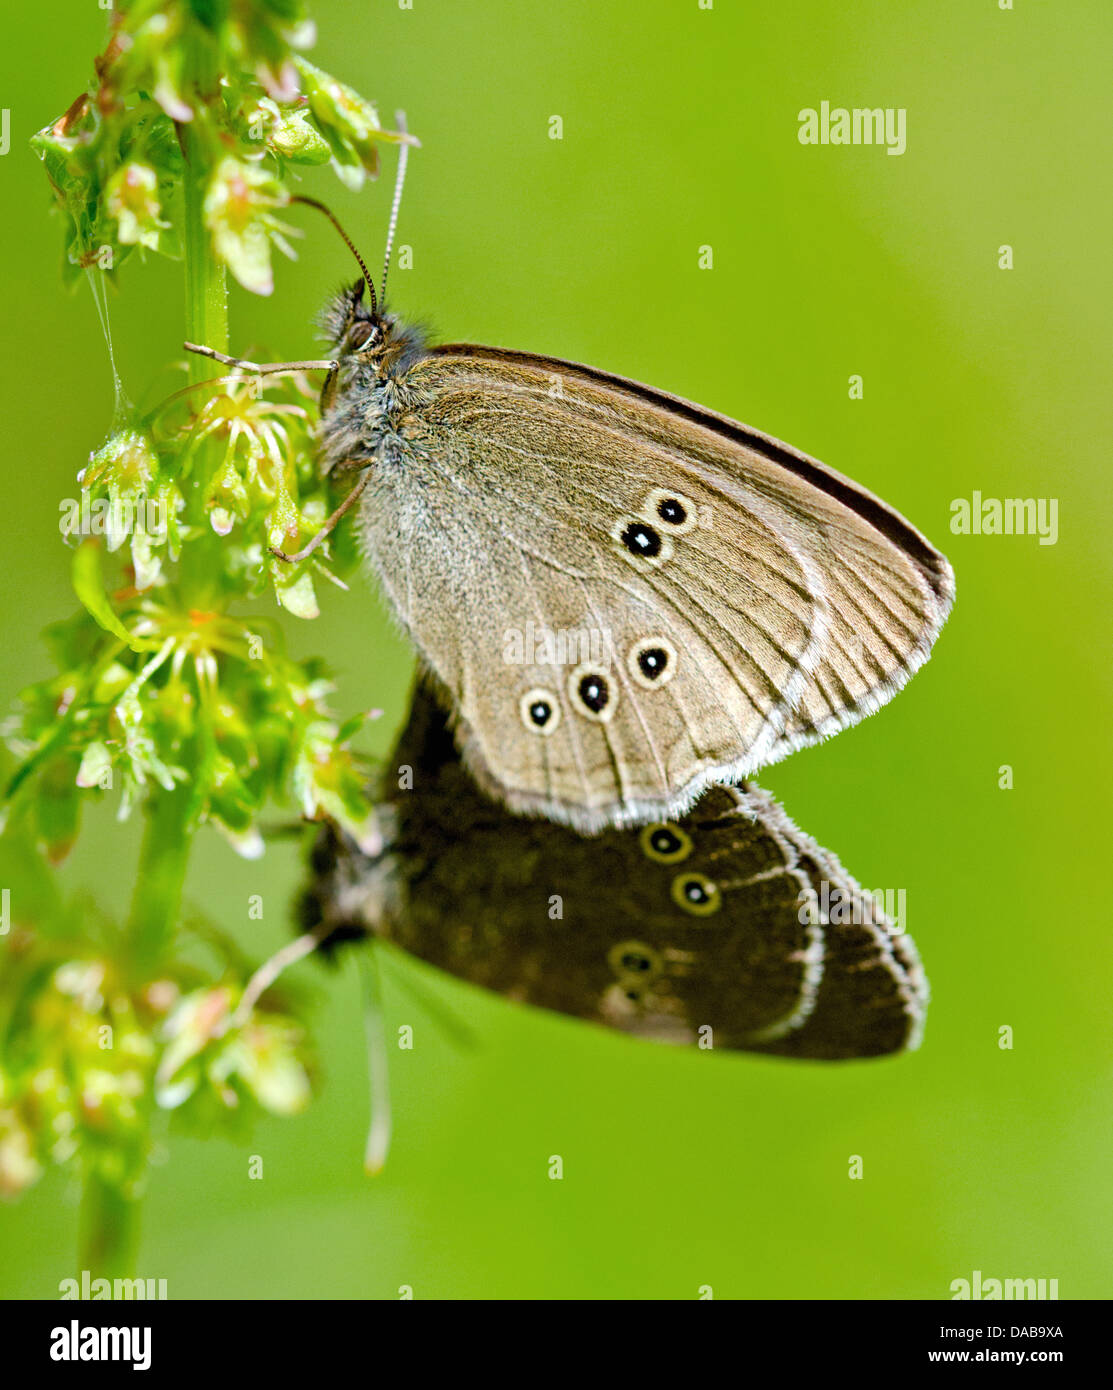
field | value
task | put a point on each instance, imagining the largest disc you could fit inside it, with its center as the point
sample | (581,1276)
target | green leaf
(89,588)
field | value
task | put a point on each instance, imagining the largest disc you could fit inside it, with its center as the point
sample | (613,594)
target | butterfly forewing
(627,598)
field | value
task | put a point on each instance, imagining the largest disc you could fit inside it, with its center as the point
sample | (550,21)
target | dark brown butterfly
(715,929)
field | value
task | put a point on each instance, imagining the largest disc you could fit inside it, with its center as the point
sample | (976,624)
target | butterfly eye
(652,662)
(634,963)
(360,334)
(642,542)
(540,711)
(665,843)
(675,512)
(593,693)
(697,894)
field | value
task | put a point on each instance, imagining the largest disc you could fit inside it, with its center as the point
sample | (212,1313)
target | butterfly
(744,601)
(726,928)
(623,598)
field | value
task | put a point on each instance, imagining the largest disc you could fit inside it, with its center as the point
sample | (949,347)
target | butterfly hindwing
(707,929)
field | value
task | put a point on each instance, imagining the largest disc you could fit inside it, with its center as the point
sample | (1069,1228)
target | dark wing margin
(857,499)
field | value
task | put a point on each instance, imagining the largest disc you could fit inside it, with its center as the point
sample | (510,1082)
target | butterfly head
(360,329)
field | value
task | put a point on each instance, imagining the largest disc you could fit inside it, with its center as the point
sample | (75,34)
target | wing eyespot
(641,543)
(696,893)
(666,843)
(593,693)
(634,963)
(652,662)
(540,711)
(670,509)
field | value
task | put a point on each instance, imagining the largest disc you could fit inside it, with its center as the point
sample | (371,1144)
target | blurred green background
(682,1168)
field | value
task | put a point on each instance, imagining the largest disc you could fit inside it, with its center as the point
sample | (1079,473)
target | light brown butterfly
(624,598)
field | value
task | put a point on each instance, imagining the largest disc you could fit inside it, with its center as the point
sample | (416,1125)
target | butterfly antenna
(348,242)
(399,180)
(378,1070)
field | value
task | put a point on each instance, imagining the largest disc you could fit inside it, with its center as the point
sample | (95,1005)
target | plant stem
(109,1219)
(206,322)
(109,1230)
(166,841)
(206,282)
(160,877)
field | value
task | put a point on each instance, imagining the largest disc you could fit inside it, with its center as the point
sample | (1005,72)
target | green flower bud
(349,123)
(297,139)
(131,197)
(238,206)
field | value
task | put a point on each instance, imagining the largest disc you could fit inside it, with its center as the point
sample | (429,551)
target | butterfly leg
(323,364)
(327,529)
(270,970)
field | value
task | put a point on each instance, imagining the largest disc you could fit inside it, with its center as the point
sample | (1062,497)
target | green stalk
(164,856)
(206,282)
(160,877)
(109,1219)
(206,324)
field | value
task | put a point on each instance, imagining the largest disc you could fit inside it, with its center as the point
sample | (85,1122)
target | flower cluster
(88,1057)
(201,701)
(172,691)
(231,76)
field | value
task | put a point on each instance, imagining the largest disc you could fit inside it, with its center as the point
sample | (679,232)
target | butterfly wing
(628,598)
(714,929)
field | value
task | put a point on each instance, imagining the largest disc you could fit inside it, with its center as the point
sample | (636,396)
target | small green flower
(286,130)
(68,150)
(131,197)
(95,767)
(76,1070)
(123,499)
(265,1058)
(297,139)
(239,213)
(348,122)
(227,498)
(210,1056)
(119,475)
